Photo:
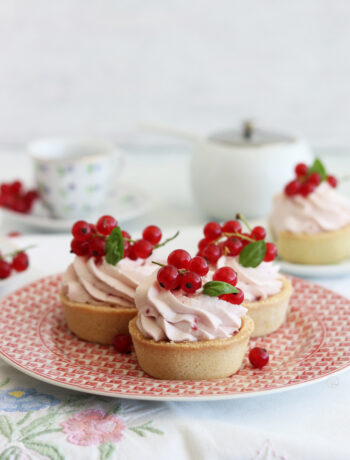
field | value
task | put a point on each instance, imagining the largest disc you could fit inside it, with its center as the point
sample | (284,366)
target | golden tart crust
(96,323)
(270,313)
(207,359)
(317,249)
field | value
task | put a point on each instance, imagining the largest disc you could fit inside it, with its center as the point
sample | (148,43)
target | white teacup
(74,176)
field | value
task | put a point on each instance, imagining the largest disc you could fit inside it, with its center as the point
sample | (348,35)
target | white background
(100,67)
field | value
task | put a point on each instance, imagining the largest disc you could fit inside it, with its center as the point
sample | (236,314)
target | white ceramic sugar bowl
(241,171)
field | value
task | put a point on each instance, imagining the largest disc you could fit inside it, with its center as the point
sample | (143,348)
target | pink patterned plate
(313,344)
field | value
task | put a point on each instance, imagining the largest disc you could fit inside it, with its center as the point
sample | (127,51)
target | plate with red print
(312,345)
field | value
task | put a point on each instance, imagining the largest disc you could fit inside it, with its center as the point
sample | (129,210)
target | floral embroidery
(93,426)
(25,399)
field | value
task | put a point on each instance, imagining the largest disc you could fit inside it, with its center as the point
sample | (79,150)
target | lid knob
(248,129)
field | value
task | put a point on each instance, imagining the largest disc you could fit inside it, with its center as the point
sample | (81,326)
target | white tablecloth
(41,421)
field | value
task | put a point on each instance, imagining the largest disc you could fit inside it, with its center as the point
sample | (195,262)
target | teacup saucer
(125,203)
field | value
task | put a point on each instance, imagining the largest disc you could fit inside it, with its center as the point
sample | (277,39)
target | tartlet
(310,220)
(201,360)
(270,313)
(98,288)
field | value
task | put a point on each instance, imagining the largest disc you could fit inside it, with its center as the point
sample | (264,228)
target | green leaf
(216,288)
(45,449)
(141,429)
(25,418)
(253,254)
(106,450)
(319,168)
(6,427)
(39,433)
(38,423)
(11,453)
(115,247)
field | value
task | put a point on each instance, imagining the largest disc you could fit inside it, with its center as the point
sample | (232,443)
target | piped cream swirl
(174,316)
(323,210)
(100,284)
(256,283)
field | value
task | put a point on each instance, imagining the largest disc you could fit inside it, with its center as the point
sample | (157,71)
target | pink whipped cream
(174,316)
(87,282)
(321,211)
(257,283)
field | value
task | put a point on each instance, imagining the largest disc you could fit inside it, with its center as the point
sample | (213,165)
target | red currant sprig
(185,273)
(308,179)
(14,196)
(91,240)
(17,260)
(229,239)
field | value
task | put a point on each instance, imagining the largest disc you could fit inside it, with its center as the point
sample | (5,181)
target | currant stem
(181,270)
(17,251)
(159,245)
(244,220)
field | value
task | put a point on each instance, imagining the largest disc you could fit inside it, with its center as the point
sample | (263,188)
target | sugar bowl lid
(249,135)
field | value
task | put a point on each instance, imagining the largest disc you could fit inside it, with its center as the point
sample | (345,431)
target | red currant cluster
(306,180)
(229,239)
(13,196)
(185,273)
(17,261)
(90,239)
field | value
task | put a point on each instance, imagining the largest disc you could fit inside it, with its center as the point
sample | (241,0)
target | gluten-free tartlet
(98,288)
(185,330)
(310,220)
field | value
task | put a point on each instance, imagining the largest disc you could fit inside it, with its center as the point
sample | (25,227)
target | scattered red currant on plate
(5,269)
(258,357)
(20,262)
(123,343)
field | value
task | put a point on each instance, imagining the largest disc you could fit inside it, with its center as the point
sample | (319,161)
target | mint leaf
(318,167)
(115,247)
(253,254)
(216,288)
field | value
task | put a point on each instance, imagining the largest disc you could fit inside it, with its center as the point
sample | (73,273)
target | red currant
(80,248)
(293,188)
(271,252)
(179,258)
(5,189)
(232,226)
(212,253)
(212,230)
(226,274)
(142,249)
(235,246)
(81,230)
(20,205)
(5,269)
(169,277)
(126,248)
(97,246)
(198,265)
(16,187)
(204,242)
(30,196)
(307,189)
(20,262)
(123,343)
(258,233)
(315,178)
(258,357)
(126,235)
(301,169)
(153,234)
(235,299)
(332,181)
(190,282)
(131,253)
(106,224)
